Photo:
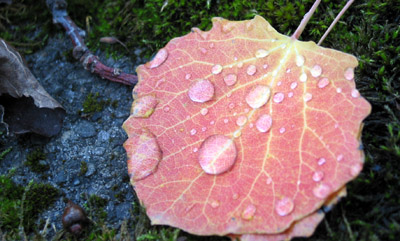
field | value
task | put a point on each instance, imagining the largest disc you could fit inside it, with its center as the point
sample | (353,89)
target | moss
(33,161)
(92,103)
(84,168)
(5,152)
(96,207)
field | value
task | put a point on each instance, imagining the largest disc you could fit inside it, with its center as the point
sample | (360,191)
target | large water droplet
(322,191)
(144,106)
(349,73)
(322,83)
(307,97)
(251,70)
(300,60)
(263,123)
(230,79)
(318,176)
(248,212)
(217,154)
(284,206)
(241,120)
(316,70)
(278,97)
(160,58)
(303,77)
(258,96)
(216,69)
(201,91)
(143,153)
(261,53)
(355,93)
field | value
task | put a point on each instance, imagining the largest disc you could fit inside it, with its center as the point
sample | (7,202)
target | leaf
(254,130)
(28,107)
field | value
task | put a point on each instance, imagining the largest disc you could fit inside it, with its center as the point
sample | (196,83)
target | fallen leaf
(28,107)
(253,131)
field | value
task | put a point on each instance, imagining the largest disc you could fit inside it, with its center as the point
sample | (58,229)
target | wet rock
(85,129)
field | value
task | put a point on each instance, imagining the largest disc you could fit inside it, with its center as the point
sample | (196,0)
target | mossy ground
(369,30)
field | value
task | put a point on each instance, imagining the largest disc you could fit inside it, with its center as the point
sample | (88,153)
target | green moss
(5,152)
(33,161)
(93,103)
(96,207)
(84,168)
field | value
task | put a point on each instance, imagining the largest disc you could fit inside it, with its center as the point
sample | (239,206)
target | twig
(89,61)
(305,20)
(335,21)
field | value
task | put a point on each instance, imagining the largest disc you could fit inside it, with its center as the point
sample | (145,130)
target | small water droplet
(339,90)
(251,69)
(160,82)
(231,105)
(258,96)
(355,93)
(249,212)
(237,134)
(318,176)
(212,122)
(265,66)
(321,161)
(316,70)
(300,60)
(203,129)
(160,58)
(193,132)
(195,149)
(279,83)
(288,70)
(269,180)
(187,76)
(303,77)
(235,58)
(278,97)
(322,191)
(204,111)
(241,120)
(230,79)
(203,50)
(166,108)
(282,130)
(235,196)
(246,110)
(201,91)
(211,45)
(355,169)
(275,73)
(322,83)
(215,204)
(261,53)
(229,94)
(284,206)
(336,125)
(307,97)
(290,94)
(217,154)
(251,125)
(349,73)
(339,157)
(264,123)
(226,121)
(293,85)
(240,64)
(216,69)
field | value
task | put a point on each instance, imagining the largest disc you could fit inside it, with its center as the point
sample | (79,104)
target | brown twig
(89,61)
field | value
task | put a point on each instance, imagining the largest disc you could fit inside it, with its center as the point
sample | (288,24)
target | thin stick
(305,20)
(335,20)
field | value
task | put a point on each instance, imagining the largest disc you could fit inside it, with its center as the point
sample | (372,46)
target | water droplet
(356,169)
(166,108)
(263,123)
(160,58)
(204,111)
(226,121)
(203,50)
(339,157)
(251,70)
(303,77)
(251,125)
(307,97)
(336,125)
(217,154)
(355,93)
(231,105)
(321,161)
(269,180)
(246,110)
(216,69)
(187,76)
(282,130)
(279,83)
(229,94)
(241,120)
(203,129)
(195,149)
(284,206)
(339,90)
(316,70)
(290,94)
(278,97)
(258,96)
(240,64)
(288,70)
(193,132)
(143,153)
(265,66)
(248,212)
(261,53)
(144,106)
(322,83)
(211,45)
(215,204)
(235,196)
(237,134)
(201,91)
(235,58)
(212,122)
(322,191)
(318,176)
(300,60)
(349,73)
(230,79)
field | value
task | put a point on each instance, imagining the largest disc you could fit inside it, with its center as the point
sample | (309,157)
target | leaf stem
(305,20)
(335,21)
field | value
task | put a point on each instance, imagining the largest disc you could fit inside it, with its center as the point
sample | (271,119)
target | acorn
(74,218)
